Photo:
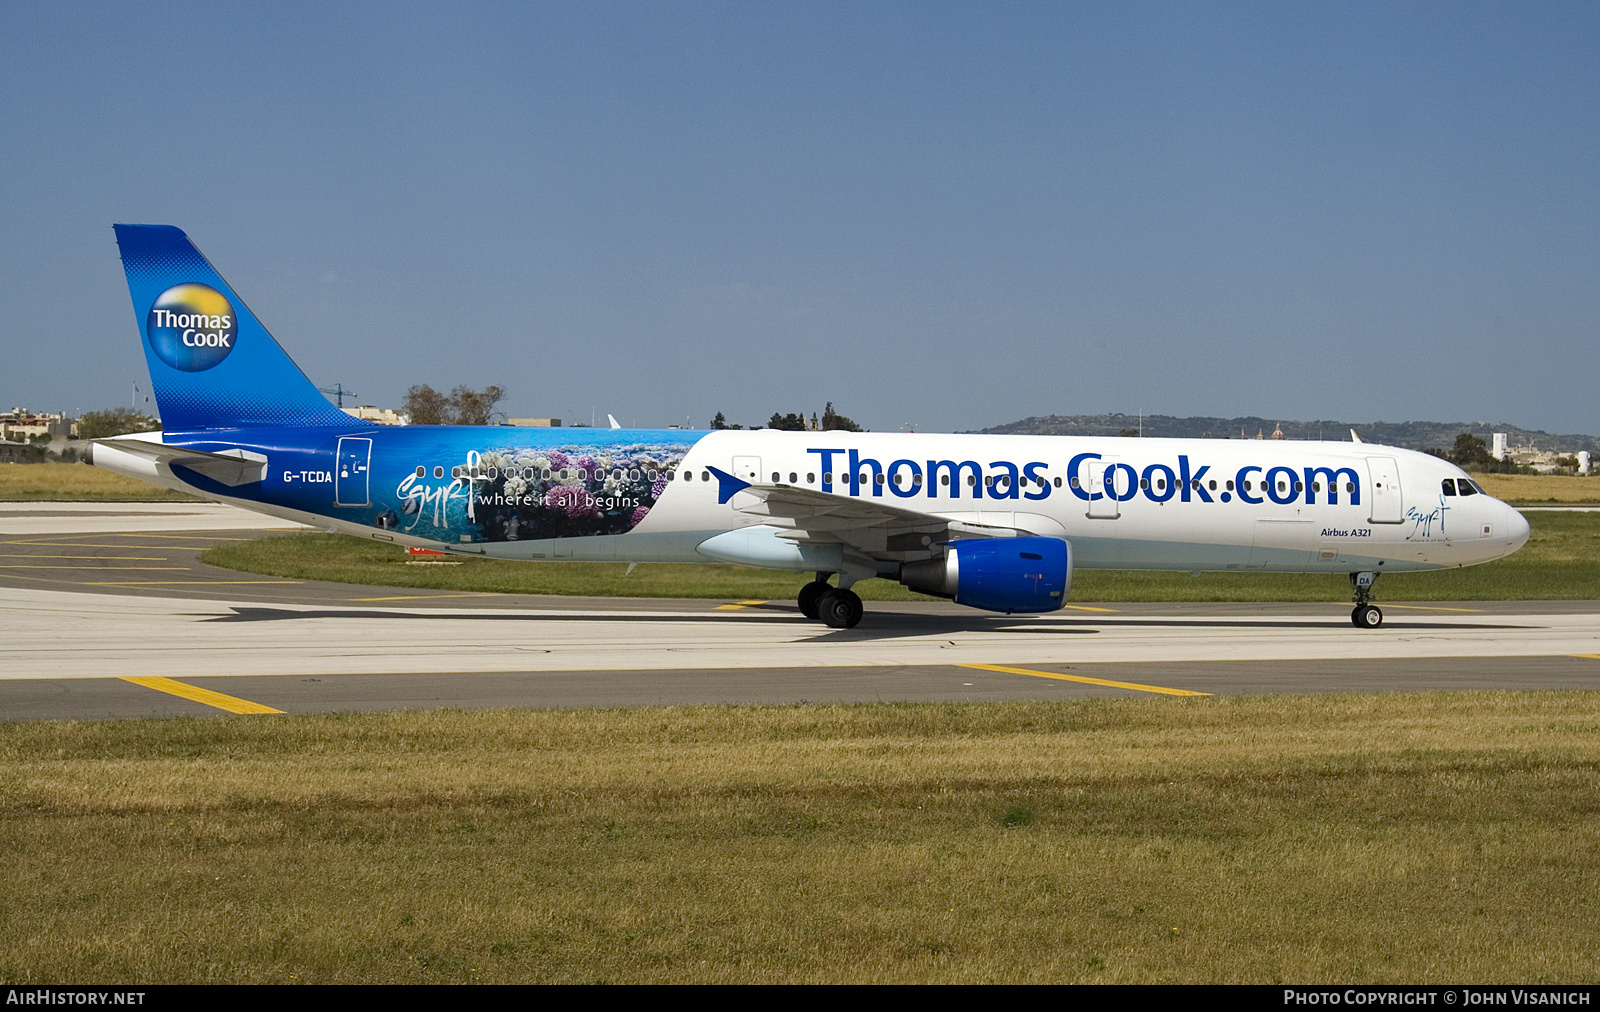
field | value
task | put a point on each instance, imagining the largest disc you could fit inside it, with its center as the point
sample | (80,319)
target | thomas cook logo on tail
(192,327)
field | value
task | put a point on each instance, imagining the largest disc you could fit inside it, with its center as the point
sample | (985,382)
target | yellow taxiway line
(737,606)
(233,704)
(178,583)
(1086,681)
(94,558)
(420,597)
(114,569)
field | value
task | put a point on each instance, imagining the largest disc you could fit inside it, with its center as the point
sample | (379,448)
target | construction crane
(339,394)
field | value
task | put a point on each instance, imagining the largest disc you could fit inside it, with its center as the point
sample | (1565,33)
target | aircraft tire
(809,595)
(1365,616)
(840,609)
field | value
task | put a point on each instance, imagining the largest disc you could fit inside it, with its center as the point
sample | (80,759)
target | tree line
(461,406)
(424,405)
(830,421)
(1471,453)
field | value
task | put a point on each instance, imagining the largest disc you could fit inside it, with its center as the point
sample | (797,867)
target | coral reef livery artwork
(526,493)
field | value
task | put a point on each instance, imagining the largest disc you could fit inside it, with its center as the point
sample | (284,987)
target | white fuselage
(1157,523)
(1123,503)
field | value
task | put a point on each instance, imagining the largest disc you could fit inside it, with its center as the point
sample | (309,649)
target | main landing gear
(1365,615)
(837,607)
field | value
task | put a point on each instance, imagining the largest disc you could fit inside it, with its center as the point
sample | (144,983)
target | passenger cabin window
(811,477)
(422,472)
(438,471)
(794,479)
(1448,486)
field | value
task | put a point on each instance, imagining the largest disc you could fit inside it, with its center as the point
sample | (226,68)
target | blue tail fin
(212,363)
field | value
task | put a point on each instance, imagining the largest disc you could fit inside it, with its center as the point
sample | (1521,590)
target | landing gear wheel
(1365,616)
(810,594)
(839,609)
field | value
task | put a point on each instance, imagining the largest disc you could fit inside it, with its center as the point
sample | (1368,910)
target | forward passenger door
(1387,506)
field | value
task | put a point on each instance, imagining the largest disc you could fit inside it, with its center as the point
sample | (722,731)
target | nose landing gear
(1364,615)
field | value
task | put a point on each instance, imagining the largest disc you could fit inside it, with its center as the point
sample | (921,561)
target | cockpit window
(1448,486)
(1467,487)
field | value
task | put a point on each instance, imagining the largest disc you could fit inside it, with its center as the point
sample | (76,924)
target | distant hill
(1412,435)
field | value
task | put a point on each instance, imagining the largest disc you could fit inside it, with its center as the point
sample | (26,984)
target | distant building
(537,423)
(382,416)
(1543,461)
(19,424)
(1277,432)
(1584,460)
(1500,446)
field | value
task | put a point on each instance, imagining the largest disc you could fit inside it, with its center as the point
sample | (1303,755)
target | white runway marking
(88,517)
(61,634)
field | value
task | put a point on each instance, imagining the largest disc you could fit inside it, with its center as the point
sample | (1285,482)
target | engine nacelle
(997,574)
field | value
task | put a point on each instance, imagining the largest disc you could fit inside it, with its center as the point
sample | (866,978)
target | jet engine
(997,574)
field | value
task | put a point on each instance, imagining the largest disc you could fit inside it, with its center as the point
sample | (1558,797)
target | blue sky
(941,216)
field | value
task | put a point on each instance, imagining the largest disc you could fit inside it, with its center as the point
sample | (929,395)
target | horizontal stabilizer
(230,467)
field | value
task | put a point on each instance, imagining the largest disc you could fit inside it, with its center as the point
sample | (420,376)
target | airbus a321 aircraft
(994,522)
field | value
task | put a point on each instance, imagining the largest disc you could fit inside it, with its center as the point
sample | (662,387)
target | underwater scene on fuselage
(512,492)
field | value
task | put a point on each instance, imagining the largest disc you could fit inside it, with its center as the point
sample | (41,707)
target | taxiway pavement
(107,621)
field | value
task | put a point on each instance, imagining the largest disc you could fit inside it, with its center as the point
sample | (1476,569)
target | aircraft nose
(1516,530)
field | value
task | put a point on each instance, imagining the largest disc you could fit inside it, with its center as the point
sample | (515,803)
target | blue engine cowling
(997,574)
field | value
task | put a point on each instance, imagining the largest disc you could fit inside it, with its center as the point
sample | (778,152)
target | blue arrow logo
(727,485)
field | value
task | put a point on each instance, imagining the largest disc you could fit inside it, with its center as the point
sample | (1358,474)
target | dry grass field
(59,482)
(1540,488)
(1440,837)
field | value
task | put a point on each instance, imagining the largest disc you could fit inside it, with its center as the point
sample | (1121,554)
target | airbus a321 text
(994,522)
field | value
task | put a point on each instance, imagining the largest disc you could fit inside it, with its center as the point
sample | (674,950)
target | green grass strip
(1560,561)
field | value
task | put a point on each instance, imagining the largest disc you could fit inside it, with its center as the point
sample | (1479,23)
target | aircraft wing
(870,526)
(230,467)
